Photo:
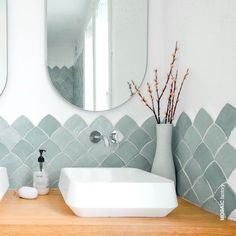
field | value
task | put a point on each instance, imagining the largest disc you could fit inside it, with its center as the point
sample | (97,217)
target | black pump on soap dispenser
(41,179)
(41,159)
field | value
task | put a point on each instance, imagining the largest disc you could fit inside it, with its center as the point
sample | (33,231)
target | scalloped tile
(214,176)
(192,197)
(218,193)
(178,166)
(183,123)
(193,139)
(13,183)
(227,119)
(232,138)
(61,161)
(53,177)
(9,137)
(22,125)
(12,162)
(213,146)
(226,158)
(183,184)
(212,205)
(74,150)
(203,190)
(193,170)
(203,121)
(103,125)
(71,146)
(183,152)
(150,127)
(3,124)
(49,125)
(23,176)
(203,156)
(85,161)
(229,199)
(62,137)
(51,149)
(99,152)
(84,137)
(3,151)
(140,162)
(231,180)
(32,161)
(149,151)
(139,138)
(54,72)
(180,129)
(126,125)
(55,184)
(23,149)
(36,137)
(127,151)
(75,124)
(113,161)
(215,138)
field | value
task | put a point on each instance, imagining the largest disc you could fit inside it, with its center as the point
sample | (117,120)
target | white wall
(206,31)
(207,35)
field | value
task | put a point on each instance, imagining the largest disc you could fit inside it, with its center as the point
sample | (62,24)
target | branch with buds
(130,89)
(155,102)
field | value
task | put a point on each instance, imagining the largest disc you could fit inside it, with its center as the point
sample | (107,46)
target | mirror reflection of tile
(69,81)
(204,156)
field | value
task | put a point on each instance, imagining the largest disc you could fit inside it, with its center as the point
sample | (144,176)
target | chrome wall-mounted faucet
(114,138)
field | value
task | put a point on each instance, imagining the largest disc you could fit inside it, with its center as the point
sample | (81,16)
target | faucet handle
(95,137)
(116,136)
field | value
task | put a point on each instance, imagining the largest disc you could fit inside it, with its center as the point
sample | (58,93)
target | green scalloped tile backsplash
(204,158)
(68,145)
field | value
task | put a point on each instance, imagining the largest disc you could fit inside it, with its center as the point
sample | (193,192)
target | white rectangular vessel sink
(117,192)
(4,183)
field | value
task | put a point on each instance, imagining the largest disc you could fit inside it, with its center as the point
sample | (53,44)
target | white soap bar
(28,193)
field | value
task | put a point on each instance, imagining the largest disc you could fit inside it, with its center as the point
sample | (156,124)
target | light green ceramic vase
(163,164)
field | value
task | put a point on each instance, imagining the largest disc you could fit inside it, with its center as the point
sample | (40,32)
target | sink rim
(4,184)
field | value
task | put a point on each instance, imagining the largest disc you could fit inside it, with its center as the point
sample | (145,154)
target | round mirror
(94,48)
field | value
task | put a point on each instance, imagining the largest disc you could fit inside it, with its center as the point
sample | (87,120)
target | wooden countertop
(49,215)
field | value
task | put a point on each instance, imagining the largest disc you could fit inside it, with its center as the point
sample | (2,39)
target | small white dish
(27,193)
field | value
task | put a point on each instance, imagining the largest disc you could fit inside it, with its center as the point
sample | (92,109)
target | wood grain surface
(49,215)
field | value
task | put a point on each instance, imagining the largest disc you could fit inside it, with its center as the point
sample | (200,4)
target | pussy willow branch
(143,99)
(174,56)
(169,102)
(181,87)
(130,89)
(173,97)
(158,97)
(152,100)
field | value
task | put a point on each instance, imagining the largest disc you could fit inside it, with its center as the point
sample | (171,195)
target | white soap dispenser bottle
(41,179)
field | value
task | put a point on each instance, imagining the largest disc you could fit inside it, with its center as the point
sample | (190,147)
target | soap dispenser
(41,179)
